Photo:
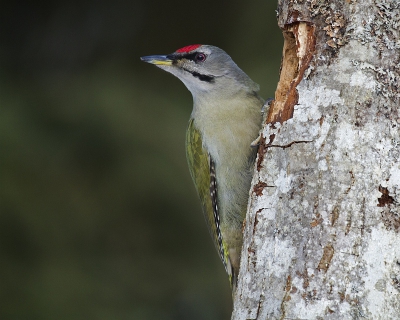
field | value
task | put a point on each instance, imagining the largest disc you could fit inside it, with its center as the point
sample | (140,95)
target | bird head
(204,69)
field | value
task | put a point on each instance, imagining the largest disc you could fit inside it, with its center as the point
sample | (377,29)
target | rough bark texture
(322,234)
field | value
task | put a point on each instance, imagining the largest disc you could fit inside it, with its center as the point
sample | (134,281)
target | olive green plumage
(199,162)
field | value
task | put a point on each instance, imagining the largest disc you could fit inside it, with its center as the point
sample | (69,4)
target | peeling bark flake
(317,221)
(385,199)
(262,148)
(288,283)
(334,215)
(298,51)
(259,187)
(326,258)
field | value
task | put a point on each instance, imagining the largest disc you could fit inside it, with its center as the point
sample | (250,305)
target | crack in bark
(287,145)
(351,183)
(286,297)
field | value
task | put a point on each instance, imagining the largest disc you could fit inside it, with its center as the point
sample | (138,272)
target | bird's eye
(200,57)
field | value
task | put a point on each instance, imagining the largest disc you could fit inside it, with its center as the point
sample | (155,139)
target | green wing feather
(199,162)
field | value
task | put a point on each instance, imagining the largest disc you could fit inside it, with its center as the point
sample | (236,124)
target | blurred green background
(98,215)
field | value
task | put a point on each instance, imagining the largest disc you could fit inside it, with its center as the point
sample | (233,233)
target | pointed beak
(157,60)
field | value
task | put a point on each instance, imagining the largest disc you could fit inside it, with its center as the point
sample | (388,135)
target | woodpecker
(225,119)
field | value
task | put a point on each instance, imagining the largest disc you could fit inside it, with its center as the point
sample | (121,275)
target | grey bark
(321,239)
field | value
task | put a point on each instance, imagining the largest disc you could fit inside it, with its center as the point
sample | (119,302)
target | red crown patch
(188,48)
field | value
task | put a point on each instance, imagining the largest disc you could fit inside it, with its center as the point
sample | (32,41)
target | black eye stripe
(188,56)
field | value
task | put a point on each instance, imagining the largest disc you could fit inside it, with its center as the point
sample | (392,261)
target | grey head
(205,70)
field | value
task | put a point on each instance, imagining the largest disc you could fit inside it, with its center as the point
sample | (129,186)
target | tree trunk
(321,239)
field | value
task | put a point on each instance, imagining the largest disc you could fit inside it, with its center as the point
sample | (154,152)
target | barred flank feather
(202,170)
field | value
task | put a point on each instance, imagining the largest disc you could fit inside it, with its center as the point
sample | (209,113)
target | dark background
(98,215)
